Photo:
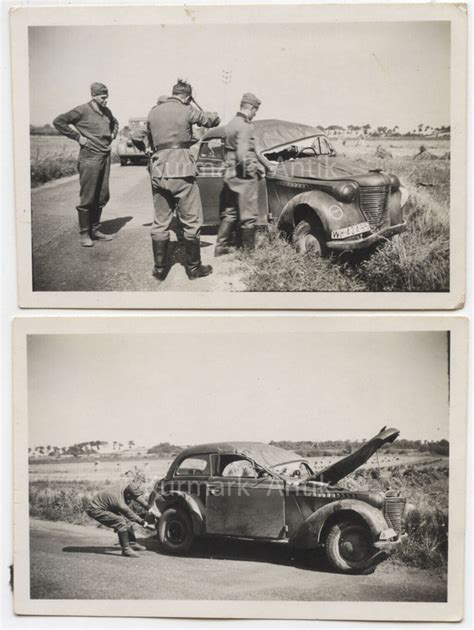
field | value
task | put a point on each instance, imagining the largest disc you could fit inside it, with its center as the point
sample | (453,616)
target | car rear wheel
(123,161)
(175,531)
(349,548)
(307,237)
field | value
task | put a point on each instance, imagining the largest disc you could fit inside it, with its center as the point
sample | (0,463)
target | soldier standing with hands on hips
(243,170)
(173,178)
(94,127)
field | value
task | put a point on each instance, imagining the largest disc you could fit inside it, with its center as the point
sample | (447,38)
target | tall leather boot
(194,268)
(133,541)
(127,551)
(160,254)
(96,234)
(84,228)
(223,238)
(247,235)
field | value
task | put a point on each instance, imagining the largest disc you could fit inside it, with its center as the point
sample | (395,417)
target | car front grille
(373,201)
(393,511)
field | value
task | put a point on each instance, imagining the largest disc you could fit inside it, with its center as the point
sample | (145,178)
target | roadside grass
(417,260)
(47,168)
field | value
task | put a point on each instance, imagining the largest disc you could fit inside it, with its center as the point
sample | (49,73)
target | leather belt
(173,145)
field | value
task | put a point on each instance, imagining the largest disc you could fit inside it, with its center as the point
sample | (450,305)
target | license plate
(351,230)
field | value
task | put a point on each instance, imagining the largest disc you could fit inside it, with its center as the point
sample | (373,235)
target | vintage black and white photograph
(320,475)
(203,157)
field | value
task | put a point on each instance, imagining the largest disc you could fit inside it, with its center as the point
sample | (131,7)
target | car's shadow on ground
(112,226)
(248,551)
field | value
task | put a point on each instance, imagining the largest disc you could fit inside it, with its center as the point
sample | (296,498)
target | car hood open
(343,467)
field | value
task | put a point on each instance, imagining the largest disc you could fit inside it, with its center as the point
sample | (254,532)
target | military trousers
(117,522)
(176,194)
(239,201)
(94,173)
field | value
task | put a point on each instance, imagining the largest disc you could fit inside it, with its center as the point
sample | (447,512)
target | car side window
(212,150)
(236,466)
(197,466)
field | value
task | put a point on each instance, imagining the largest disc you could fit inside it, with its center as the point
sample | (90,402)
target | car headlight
(347,193)
(394,183)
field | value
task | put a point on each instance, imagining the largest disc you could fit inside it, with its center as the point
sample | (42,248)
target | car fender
(332,214)
(190,503)
(309,534)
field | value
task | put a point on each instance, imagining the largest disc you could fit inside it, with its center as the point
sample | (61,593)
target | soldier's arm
(203,119)
(115,127)
(130,514)
(63,124)
(142,502)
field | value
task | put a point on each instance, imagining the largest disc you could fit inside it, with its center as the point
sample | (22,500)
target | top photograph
(244,157)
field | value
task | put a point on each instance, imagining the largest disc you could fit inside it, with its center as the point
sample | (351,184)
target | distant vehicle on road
(258,491)
(319,200)
(127,151)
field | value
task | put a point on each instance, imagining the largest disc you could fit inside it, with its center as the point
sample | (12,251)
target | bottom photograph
(266,467)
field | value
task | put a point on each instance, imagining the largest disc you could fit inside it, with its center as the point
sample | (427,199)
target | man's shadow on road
(108,550)
(112,226)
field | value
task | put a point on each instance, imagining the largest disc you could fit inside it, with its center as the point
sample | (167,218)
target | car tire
(175,531)
(123,161)
(307,237)
(349,548)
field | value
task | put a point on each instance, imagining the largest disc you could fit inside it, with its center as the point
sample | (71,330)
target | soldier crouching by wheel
(111,508)
(173,178)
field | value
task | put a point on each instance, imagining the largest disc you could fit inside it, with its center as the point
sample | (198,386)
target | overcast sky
(320,74)
(187,389)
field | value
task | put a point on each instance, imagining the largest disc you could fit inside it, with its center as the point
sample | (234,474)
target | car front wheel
(175,531)
(307,237)
(349,548)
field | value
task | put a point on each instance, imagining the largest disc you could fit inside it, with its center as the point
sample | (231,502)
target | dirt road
(125,263)
(84,562)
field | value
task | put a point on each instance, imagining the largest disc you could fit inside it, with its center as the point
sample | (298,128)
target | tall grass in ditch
(417,260)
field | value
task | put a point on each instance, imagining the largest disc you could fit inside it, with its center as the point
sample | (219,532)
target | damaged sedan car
(319,200)
(257,491)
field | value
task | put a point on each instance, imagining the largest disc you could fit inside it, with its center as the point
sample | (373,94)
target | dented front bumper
(388,542)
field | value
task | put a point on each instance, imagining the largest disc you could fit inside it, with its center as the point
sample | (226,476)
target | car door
(210,178)
(245,507)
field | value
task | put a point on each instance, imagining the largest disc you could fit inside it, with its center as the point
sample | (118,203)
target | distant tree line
(345,447)
(165,449)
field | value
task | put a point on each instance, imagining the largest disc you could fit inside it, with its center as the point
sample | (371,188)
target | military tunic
(173,168)
(110,508)
(243,170)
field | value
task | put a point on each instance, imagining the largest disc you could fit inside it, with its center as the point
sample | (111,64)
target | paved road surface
(83,562)
(125,264)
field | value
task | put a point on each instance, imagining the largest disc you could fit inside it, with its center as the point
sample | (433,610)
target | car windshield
(297,469)
(313,146)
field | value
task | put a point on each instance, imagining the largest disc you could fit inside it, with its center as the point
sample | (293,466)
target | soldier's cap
(134,490)
(162,99)
(99,88)
(251,99)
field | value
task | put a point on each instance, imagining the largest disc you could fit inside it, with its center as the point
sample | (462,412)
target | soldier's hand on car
(149,526)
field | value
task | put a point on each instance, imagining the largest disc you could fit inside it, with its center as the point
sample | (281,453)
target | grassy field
(60,491)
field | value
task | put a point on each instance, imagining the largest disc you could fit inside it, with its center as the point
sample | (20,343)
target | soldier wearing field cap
(173,177)
(94,127)
(239,205)
(111,508)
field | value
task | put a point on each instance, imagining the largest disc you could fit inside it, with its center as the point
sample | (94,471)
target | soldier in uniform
(243,170)
(173,178)
(111,508)
(94,127)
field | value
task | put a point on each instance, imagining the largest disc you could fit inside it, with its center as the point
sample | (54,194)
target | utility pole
(226,80)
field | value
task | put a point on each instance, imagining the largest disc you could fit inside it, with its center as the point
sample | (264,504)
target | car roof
(265,454)
(271,132)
